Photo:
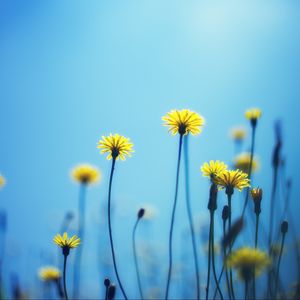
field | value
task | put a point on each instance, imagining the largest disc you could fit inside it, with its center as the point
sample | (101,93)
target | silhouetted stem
(59,288)
(135,258)
(209,261)
(173,218)
(190,218)
(109,227)
(246,289)
(256,239)
(64,277)
(279,261)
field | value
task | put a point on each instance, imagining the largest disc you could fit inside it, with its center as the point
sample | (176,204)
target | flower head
(85,174)
(2,181)
(253,114)
(66,243)
(213,168)
(231,179)
(247,261)
(183,122)
(242,162)
(256,194)
(49,273)
(238,133)
(117,146)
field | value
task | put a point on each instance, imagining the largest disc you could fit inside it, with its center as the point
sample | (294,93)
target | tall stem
(209,260)
(278,264)
(64,275)
(226,270)
(135,258)
(256,239)
(213,255)
(246,289)
(173,218)
(109,227)
(81,231)
(190,218)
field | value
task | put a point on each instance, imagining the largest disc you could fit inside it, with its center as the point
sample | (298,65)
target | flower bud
(284,227)
(141,213)
(225,212)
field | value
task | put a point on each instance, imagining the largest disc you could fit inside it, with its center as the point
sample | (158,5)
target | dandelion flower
(117,146)
(183,122)
(253,114)
(2,181)
(49,273)
(231,179)
(242,162)
(238,133)
(213,168)
(66,243)
(248,260)
(85,174)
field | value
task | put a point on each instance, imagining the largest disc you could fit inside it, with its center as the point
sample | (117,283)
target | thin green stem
(64,277)
(190,218)
(109,227)
(173,218)
(213,255)
(209,261)
(135,258)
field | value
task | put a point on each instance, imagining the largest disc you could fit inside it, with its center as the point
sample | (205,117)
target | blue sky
(72,71)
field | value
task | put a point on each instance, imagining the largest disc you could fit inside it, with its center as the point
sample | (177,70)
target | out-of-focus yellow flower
(213,168)
(85,174)
(253,114)
(117,146)
(65,242)
(238,133)
(2,181)
(248,260)
(231,179)
(49,273)
(183,122)
(242,162)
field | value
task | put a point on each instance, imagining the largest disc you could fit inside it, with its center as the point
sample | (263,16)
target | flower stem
(278,264)
(64,277)
(246,289)
(209,261)
(135,257)
(59,288)
(109,227)
(256,239)
(226,270)
(173,217)
(190,218)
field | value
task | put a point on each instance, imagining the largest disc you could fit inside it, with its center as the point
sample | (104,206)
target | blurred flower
(65,242)
(213,168)
(247,261)
(238,133)
(116,145)
(183,122)
(242,162)
(231,179)
(2,181)
(85,174)
(49,273)
(253,114)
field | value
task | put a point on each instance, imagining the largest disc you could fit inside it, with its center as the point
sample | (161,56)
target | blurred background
(72,71)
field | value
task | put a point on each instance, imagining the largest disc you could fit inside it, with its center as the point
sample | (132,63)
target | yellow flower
(65,242)
(183,122)
(85,174)
(248,260)
(242,162)
(238,133)
(49,273)
(213,168)
(231,179)
(253,114)
(116,145)
(256,194)
(2,181)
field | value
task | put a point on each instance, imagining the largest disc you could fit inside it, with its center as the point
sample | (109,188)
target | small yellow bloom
(256,194)
(183,122)
(2,181)
(85,174)
(248,260)
(65,242)
(49,273)
(231,179)
(238,133)
(253,114)
(116,145)
(213,168)
(242,162)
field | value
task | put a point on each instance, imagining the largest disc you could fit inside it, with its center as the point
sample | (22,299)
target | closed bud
(225,212)
(107,282)
(256,194)
(141,213)
(284,227)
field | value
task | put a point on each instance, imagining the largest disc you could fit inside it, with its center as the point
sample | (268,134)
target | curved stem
(109,227)
(213,255)
(64,275)
(209,260)
(135,258)
(190,218)
(173,218)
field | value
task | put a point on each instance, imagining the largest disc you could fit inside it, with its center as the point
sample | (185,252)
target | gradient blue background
(72,71)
